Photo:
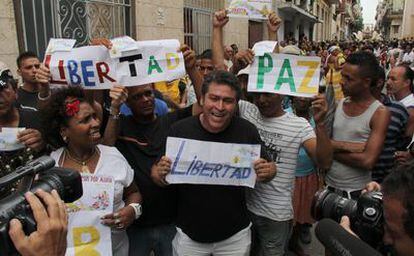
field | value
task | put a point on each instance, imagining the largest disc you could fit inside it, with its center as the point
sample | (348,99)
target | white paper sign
(86,234)
(254,9)
(201,162)
(93,68)
(285,74)
(8,139)
(262,47)
(60,45)
(121,45)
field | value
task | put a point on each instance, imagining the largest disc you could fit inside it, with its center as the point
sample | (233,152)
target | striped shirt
(393,140)
(282,137)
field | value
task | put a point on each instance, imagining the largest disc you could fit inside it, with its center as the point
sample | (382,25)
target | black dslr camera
(365,214)
(66,182)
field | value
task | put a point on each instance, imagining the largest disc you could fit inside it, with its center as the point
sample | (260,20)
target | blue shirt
(161,108)
(305,165)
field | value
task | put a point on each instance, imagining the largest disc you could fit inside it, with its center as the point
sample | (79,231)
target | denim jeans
(270,237)
(157,239)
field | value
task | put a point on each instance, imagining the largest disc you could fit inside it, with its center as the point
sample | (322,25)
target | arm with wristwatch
(125,216)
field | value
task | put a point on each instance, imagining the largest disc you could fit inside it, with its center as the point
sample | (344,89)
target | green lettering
(281,80)
(263,69)
(153,64)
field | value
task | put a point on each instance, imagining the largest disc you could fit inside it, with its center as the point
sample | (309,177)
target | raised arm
(320,149)
(190,67)
(119,95)
(273,25)
(220,19)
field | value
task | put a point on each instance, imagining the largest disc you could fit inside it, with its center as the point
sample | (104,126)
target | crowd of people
(357,130)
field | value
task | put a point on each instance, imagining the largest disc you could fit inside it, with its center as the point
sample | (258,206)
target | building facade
(389,18)
(29,24)
(408,20)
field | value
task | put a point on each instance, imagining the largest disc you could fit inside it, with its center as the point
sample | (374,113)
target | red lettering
(61,71)
(103,73)
(47,60)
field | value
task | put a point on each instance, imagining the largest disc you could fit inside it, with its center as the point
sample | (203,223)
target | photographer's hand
(346,224)
(371,187)
(50,237)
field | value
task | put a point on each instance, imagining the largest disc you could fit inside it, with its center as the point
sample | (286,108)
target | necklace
(82,163)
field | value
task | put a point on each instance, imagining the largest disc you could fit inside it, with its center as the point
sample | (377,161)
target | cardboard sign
(253,9)
(201,162)
(93,67)
(86,234)
(285,74)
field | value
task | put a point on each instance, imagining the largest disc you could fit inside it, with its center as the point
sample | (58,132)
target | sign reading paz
(93,68)
(202,162)
(285,74)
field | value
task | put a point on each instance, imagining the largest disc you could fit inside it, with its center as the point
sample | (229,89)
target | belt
(354,194)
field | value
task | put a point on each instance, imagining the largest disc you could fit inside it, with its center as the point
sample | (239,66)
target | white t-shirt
(112,163)
(282,137)
(408,57)
(408,101)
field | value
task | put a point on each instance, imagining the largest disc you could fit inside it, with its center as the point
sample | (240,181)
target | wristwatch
(114,114)
(137,209)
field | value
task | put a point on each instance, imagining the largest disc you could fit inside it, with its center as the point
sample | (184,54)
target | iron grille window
(197,29)
(76,19)
(197,22)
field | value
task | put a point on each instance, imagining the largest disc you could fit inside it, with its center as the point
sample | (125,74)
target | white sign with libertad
(86,235)
(285,74)
(253,9)
(202,162)
(93,67)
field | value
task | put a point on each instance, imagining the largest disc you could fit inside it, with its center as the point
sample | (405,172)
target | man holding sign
(270,204)
(213,219)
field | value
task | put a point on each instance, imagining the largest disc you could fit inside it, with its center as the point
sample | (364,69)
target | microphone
(340,242)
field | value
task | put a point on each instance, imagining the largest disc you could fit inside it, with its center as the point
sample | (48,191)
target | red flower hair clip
(72,107)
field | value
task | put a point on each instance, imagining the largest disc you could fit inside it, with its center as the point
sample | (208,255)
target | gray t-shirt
(351,129)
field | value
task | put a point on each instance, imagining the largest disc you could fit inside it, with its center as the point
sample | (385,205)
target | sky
(369,9)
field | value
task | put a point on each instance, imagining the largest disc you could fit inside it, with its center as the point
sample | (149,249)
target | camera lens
(327,204)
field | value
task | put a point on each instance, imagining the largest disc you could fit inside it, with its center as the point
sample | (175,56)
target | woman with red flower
(71,123)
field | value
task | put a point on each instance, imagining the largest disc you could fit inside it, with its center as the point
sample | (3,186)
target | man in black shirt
(31,91)
(140,138)
(213,220)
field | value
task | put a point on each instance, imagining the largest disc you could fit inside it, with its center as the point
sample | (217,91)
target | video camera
(67,183)
(365,214)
